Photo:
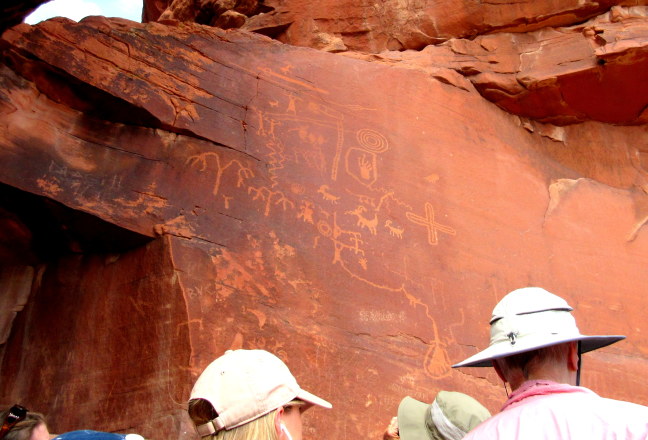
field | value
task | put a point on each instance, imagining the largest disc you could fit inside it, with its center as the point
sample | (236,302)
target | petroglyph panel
(312,169)
(358,217)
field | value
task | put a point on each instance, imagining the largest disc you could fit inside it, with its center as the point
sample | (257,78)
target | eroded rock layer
(369,26)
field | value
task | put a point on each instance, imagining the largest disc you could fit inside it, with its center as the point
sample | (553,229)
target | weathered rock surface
(103,334)
(201,189)
(369,26)
(593,71)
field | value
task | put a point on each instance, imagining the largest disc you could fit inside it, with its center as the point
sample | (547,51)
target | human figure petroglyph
(430,223)
(266,124)
(336,234)
(356,241)
(292,106)
(306,211)
(364,222)
(394,231)
(273,123)
(326,195)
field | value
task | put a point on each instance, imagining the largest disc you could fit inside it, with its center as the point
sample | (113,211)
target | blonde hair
(23,429)
(262,428)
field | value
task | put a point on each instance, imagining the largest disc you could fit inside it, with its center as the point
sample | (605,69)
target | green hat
(449,417)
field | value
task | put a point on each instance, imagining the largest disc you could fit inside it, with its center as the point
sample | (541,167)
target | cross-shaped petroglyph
(429,222)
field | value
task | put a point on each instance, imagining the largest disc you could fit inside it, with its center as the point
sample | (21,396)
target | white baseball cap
(530,318)
(243,385)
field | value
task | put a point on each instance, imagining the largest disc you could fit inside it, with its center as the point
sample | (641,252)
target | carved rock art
(170,190)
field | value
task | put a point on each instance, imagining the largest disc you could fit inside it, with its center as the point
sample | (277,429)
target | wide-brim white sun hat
(243,385)
(531,318)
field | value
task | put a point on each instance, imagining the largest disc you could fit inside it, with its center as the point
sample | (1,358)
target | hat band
(447,429)
(211,427)
(512,329)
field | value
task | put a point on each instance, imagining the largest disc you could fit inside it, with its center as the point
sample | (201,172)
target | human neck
(550,372)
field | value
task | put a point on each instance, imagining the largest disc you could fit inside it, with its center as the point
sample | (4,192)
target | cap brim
(89,435)
(485,357)
(313,399)
(411,419)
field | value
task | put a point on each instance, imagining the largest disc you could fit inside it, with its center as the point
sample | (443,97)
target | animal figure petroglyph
(394,231)
(323,190)
(364,222)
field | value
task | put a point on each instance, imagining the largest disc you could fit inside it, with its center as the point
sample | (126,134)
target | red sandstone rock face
(97,344)
(357,215)
(367,26)
(593,71)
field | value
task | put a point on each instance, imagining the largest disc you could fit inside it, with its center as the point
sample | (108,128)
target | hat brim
(411,419)
(312,399)
(504,349)
(89,435)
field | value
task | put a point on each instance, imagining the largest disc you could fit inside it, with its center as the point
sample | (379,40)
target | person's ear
(278,421)
(572,356)
(498,370)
